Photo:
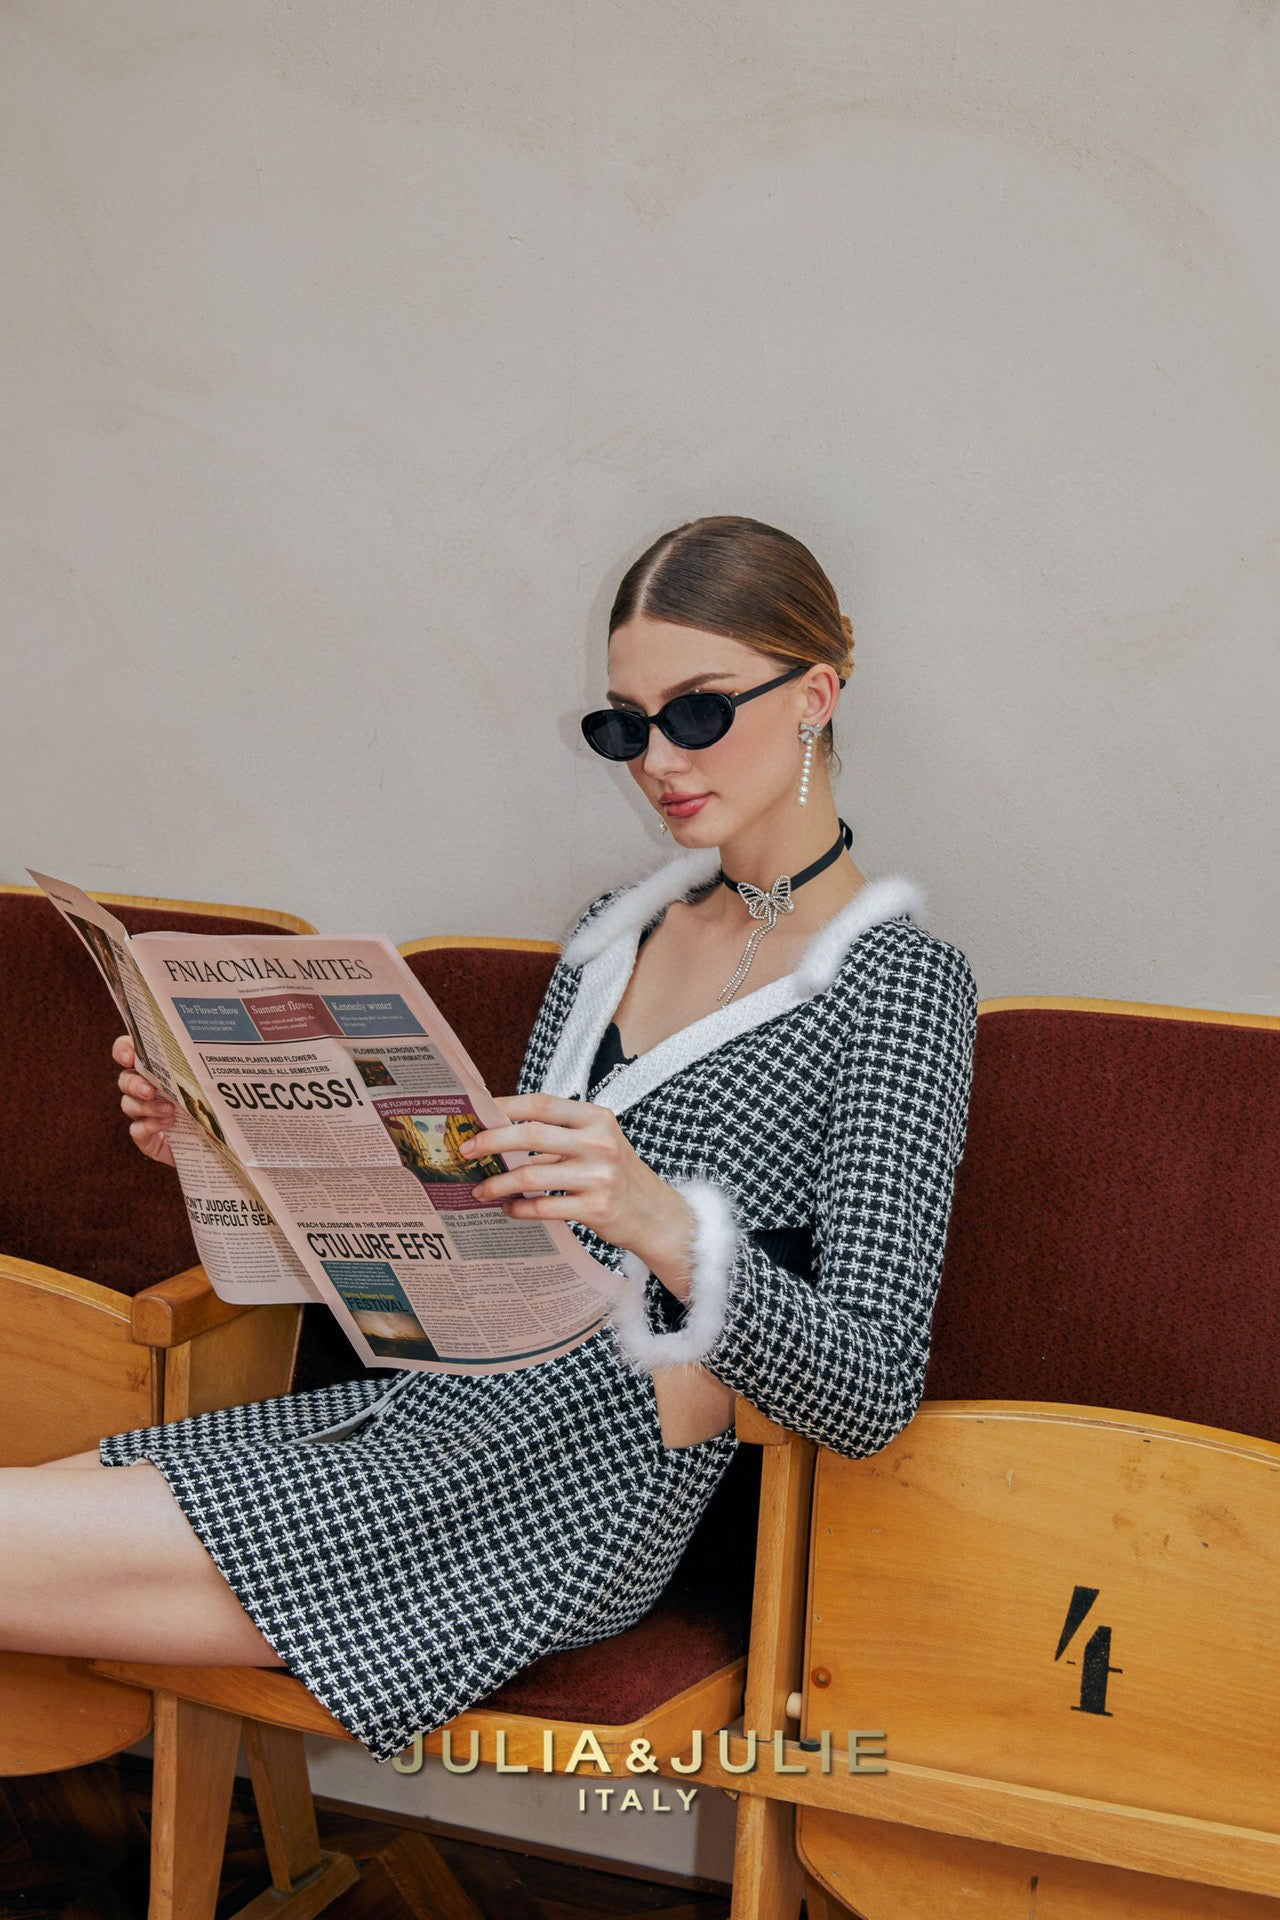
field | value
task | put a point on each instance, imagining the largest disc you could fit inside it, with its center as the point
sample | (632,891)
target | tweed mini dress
(407,1548)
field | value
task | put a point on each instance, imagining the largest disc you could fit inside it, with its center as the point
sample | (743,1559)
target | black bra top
(608,1054)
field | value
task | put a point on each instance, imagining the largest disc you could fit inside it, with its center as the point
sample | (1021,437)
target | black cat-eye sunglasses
(690,720)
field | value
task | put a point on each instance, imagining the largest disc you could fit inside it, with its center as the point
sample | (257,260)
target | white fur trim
(880,899)
(713,1245)
(633,909)
(616,934)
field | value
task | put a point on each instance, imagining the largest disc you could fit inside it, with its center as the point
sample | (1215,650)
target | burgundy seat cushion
(1115,1237)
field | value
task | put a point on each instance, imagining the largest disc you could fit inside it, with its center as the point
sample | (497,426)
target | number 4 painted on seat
(1096,1665)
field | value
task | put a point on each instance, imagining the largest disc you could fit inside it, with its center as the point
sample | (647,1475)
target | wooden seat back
(1063,1622)
(1051,1593)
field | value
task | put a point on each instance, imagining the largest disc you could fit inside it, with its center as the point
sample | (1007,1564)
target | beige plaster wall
(349,354)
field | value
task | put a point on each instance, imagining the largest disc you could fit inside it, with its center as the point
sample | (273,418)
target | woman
(747,1088)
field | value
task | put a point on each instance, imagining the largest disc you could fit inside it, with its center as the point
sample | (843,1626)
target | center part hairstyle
(748,581)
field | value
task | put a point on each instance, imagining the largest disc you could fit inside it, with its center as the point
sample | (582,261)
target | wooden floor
(74,1845)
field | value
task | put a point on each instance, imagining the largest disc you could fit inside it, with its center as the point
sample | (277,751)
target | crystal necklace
(761,906)
(765,906)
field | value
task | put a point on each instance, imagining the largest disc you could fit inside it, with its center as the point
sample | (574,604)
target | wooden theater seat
(1055,1593)
(1064,1621)
(680,1669)
(107,1324)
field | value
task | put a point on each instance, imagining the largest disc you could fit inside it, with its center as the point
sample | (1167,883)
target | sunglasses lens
(697,719)
(618,736)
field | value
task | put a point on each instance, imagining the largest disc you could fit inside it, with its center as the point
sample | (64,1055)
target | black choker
(766,905)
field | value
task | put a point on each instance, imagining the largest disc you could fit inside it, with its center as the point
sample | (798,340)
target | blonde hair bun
(847,624)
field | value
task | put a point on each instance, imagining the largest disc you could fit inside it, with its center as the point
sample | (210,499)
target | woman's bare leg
(105,1565)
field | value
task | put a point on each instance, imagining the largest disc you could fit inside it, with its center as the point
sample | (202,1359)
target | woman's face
(740,778)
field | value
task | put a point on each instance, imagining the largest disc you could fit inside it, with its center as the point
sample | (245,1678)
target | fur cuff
(713,1246)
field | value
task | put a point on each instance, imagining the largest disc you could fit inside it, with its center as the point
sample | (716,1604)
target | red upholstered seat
(1115,1237)
(490,995)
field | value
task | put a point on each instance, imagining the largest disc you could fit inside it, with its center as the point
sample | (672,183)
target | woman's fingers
(161,1113)
(141,1101)
(577,1147)
(536,1122)
(135,1084)
(531,1136)
(545,1206)
(589,1170)
(153,1141)
(528,1114)
(536,1177)
(149,1113)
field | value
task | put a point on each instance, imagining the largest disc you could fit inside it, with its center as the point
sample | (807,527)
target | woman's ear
(822,690)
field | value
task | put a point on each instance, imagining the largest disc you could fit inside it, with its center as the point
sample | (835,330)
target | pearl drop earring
(808,734)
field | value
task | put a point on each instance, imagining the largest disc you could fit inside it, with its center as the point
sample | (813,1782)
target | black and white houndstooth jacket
(814,1125)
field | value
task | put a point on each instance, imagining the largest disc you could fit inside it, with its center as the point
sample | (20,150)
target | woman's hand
(150,1114)
(595,1176)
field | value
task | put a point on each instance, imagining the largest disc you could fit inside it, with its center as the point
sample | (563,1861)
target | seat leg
(195,1767)
(768,1881)
(286,1813)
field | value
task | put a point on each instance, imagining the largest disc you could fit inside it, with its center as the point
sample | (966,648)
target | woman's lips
(684,809)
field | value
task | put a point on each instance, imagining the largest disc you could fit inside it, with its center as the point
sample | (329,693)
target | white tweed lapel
(606,949)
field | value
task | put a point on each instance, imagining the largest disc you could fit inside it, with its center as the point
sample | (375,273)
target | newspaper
(321,1099)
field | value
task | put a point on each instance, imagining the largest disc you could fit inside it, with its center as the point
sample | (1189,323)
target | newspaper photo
(322,1099)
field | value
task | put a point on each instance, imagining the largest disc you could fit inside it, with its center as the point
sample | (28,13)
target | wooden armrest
(178,1309)
(164,1315)
(753,1425)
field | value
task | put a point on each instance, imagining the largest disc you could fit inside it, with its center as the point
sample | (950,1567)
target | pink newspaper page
(332,1095)
(248,1259)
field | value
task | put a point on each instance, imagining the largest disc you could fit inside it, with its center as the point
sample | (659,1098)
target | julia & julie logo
(733,1753)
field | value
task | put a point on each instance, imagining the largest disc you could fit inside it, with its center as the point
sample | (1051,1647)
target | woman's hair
(746,580)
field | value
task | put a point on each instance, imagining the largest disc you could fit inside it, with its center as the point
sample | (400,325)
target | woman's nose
(662,756)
